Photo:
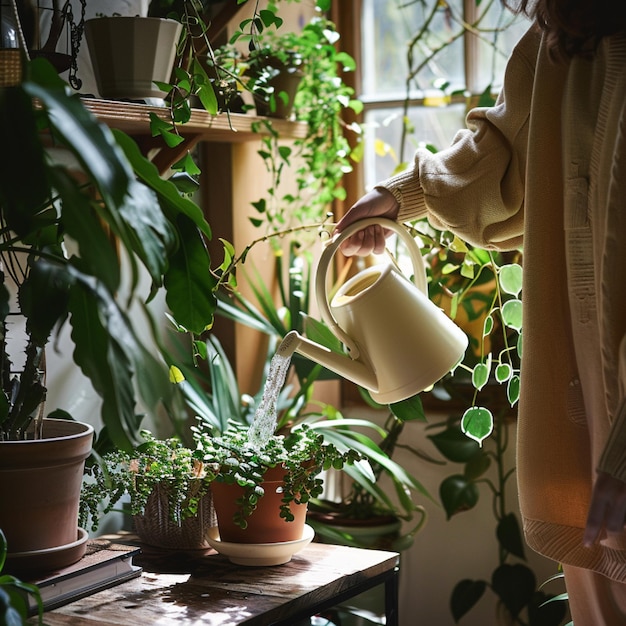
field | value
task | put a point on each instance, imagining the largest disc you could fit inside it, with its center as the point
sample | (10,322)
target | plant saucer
(259,554)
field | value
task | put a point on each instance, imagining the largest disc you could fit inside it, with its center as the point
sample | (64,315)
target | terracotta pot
(40,483)
(129,53)
(156,527)
(265,524)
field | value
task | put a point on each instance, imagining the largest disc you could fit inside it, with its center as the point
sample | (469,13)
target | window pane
(438,53)
(436,126)
(387,27)
(445,57)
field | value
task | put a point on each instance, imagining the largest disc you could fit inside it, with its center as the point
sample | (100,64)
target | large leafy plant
(74,243)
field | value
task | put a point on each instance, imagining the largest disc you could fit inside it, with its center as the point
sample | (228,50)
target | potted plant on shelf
(323,102)
(262,485)
(69,236)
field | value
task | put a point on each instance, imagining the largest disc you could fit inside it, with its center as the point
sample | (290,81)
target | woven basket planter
(157,528)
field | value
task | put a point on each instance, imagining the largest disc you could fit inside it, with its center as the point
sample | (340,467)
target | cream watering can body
(398,342)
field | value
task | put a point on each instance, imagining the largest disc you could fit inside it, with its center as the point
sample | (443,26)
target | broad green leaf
(503,372)
(515,586)
(91,142)
(23,190)
(477,465)
(189,282)
(45,283)
(205,91)
(477,423)
(510,278)
(454,445)
(512,314)
(509,535)
(170,199)
(465,595)
(409,410)
(513,389)
(487,326)
(480,374)
(457,494)
(80,221)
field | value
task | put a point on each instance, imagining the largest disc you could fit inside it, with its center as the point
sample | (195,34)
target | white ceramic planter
(129,53)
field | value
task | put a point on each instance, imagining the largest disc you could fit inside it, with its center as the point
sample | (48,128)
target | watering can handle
(419,271)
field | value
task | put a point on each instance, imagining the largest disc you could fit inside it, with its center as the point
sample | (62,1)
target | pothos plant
(317,161)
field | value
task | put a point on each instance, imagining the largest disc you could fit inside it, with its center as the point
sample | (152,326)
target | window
(430,58)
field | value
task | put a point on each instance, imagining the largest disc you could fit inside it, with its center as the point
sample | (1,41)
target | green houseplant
(168,488)
(78,238)
(317,161)
(191,476)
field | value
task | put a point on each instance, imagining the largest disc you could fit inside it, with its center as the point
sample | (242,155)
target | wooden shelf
(134,119)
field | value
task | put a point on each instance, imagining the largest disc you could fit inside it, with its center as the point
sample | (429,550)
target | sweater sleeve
(475,187)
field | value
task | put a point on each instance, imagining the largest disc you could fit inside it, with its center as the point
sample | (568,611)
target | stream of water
(266,414)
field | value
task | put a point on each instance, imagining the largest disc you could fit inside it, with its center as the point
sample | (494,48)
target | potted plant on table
(169,490)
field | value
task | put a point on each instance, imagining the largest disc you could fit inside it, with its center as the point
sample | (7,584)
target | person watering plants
(545,168)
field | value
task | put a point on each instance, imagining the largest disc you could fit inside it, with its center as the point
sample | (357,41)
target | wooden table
(206,588)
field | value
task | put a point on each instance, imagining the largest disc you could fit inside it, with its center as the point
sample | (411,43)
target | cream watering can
(398,341)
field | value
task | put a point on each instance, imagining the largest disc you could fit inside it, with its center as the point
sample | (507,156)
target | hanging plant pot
(129,54)
(265,524)
(157,528)
(40,483)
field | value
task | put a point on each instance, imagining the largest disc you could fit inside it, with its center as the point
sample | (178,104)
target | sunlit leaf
(487,326)
(512,390)
(503,372)
(480,374)
(510,277)
(477,423)
(512,314)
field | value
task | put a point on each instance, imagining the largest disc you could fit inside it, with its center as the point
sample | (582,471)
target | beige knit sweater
(546,168)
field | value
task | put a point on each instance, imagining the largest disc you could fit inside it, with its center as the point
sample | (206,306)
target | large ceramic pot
(129,54)
(265,524)
(40,483)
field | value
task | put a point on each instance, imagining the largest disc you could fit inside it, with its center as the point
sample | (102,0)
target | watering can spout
(354,370)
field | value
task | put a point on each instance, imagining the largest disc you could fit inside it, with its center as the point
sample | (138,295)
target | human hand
(375,203)
(607,510)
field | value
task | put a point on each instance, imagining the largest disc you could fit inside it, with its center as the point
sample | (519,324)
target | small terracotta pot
(265,524)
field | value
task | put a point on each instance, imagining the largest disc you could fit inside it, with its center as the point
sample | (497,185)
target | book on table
(104,565)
